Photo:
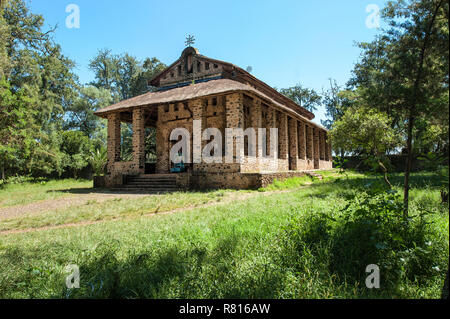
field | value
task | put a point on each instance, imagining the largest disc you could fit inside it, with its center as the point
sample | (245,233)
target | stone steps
(318,176)
(151,183)
(144,190)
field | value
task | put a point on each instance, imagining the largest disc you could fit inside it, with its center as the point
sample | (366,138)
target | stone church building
(220,95)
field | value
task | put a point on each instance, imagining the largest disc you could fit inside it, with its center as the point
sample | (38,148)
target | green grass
(117,208)
(289,183)
(235,250)
(29,192)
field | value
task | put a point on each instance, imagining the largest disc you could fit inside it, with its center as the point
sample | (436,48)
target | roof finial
(190,40)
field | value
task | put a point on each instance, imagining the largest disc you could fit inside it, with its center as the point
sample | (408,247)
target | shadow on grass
(122,191)
(107,191)
(195,271)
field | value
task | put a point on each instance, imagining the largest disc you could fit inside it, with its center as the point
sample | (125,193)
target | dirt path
(64,202)
(227,200)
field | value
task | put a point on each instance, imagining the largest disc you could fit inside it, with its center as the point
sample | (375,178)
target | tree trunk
(408,167)
(413,105)
(3,171)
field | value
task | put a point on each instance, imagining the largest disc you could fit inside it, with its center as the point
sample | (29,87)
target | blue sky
(285,42)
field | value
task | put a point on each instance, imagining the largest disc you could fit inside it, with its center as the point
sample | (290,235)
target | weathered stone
(302,144)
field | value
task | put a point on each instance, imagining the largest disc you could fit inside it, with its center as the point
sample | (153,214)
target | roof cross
(190,40)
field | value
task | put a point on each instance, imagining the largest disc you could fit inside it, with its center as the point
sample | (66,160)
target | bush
(98,161)
(370,229)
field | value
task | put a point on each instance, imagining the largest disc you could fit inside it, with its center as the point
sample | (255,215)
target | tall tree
(336,100)
(405,70)
(368,132)
(39,81)
(79,115)
(307,98)
(123,75)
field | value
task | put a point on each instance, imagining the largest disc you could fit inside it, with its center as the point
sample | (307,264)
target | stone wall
(301,146)
(116,168)
(238,180)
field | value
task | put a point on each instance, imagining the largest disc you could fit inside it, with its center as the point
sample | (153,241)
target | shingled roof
(236,73)
(190,92)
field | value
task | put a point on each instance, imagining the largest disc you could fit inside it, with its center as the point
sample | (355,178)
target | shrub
(370,229)
(98,161)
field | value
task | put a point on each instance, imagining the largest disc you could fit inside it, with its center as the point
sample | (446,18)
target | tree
(366,131)
(404,72)
(80,114)
(4,39)
(336,100)
(77,149)
(16,126)
(37,84)
(123,75)
(307,98)
(150,68)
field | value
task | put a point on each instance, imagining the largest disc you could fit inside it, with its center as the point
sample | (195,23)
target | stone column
(283,136)
(234,112)
(256,121)
(322,145)
(113,142)
(293,143)
(270,123)
(316,147)
(197,107)
(162,143)
(139,140)
(302,140)
(309,142)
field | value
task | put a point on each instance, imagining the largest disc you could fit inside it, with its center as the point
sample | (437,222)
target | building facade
(219,95)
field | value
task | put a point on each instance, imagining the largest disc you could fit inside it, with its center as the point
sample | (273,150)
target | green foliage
(80,113)
(370,229)
(76,147)
(123,75)
(404,72)
(42,100)
(367,132)
(126,143)
(339,163)
(150,145)
(435,163)
(98,161)
(361,129)
(288,183)
(307,98)
(336,100)
(267,246)
(16,125)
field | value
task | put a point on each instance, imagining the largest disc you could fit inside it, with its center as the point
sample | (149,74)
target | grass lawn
(117,208)
(232,250)
(25,193)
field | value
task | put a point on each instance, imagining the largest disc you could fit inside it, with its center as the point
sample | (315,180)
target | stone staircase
(312,174)
(154,183)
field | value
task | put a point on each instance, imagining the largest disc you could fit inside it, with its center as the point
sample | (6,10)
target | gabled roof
(194,91)
(232,78)
(238,74)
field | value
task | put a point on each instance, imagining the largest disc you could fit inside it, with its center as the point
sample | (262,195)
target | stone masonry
(302,145)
